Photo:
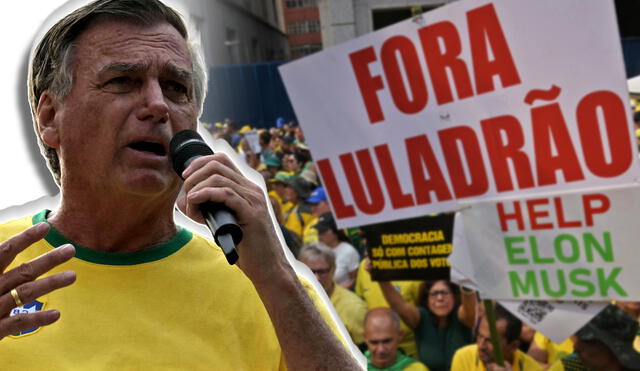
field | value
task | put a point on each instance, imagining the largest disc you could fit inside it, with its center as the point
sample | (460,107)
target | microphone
(185,147)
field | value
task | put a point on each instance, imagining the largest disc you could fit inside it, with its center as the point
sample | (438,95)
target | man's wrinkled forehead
(167,69)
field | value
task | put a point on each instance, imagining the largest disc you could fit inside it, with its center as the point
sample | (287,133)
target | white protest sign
(461,268)
(572,246)
(556,320)
(253,139)
(478,99)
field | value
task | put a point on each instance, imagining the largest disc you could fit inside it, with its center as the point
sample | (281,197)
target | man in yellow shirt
(382,334)
(109,86)
(479,356)
(319,205)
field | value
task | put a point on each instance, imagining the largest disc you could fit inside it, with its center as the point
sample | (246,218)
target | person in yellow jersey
(371,293)
(480,356)
(319,205)
(350,308)
(382,335)
(278,184)
(546,352)
(109,85)
(296,217)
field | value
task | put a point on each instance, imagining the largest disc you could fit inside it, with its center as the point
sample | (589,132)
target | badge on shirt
(33,307)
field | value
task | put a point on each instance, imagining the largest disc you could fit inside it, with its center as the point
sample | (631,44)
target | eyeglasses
(436,293)
(321,272)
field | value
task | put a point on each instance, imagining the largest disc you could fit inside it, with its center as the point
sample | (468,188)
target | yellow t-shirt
(416,366)
(466,359)
(351,310)
(176,306)
(554,351)
(310,233)
(371,293)
(296,220)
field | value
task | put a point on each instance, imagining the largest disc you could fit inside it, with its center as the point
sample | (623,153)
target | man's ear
(47,123)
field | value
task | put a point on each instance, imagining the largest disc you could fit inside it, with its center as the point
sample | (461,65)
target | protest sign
(474,100)
(556,320)
(411,249)
(253,139)
(572,246)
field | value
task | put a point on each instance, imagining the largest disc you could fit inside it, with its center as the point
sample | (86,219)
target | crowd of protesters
(410,325)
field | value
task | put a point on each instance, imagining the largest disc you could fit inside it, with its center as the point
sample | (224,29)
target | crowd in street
(410,325)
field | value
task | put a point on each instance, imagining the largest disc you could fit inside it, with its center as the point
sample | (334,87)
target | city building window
(298,51)
(301,3)
(304,27)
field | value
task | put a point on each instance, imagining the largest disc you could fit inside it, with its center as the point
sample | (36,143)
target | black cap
(326,222)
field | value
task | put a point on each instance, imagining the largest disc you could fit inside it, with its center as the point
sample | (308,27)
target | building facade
(302,25)
(344,20)
(240,31)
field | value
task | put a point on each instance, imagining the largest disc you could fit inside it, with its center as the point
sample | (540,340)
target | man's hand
(295,319)
(215,178)
(24,280)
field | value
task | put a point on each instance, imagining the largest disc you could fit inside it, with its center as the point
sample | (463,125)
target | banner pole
(491,320)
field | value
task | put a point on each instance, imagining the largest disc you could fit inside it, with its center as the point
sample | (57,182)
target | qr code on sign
(535,310)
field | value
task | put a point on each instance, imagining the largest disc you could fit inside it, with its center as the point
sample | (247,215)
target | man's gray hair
(51,67)
(318,250)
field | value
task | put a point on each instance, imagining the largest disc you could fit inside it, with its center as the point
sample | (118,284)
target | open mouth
(149,147)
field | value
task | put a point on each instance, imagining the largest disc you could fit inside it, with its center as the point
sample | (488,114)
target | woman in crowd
(347,257)
(442,325)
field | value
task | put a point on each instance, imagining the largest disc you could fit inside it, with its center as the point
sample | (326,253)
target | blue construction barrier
(250,94)
(253,94)
(631,52)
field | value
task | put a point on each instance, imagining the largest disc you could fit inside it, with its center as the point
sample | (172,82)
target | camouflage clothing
(617,330)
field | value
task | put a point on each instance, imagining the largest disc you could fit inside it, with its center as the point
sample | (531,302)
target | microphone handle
(223,225)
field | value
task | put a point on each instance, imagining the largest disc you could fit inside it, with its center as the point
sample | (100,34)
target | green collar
(402,362)
(55,239)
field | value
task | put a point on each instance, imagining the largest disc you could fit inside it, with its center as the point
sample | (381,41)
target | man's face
(322,271)
(485,347)
(320,208)
(382,340)
(290,194)
(132,90)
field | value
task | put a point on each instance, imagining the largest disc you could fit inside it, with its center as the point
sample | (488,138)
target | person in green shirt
(382,334)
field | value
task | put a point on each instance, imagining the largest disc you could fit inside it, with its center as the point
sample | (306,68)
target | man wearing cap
(273,164)
(604,344)
(278,184)
(319,206)
(298,215)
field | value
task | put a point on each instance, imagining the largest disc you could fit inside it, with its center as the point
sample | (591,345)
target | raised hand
(21,285)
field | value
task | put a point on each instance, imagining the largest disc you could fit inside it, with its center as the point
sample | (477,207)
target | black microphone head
(186,146)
